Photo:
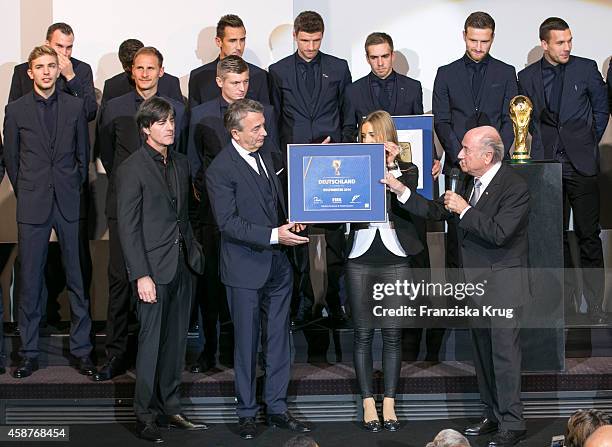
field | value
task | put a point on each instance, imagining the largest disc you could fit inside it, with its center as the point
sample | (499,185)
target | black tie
(309,77)
(555,91)
(477,79)
(260,168)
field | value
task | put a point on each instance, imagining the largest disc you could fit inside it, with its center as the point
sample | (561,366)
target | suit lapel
(293,80)
(398,92)
(464,79)
(487,81)
(568,87)
(325,69)
(267,161)
(61,118)
(491,189)
(242,167)
(538,85)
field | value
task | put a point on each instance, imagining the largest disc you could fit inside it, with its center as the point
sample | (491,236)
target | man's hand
(196,194)
(326,140)
(146,289)
(435,169)
(393,184)
(65,65)
(454,202)
(287,237)
(392,151)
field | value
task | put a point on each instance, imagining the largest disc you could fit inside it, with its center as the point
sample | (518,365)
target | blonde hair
(383,126)
(43,50)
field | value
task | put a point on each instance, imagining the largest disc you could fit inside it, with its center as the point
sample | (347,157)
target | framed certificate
(331,183)
(415,134)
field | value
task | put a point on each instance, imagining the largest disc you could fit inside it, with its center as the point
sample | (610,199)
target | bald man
(602,437)
(491,212)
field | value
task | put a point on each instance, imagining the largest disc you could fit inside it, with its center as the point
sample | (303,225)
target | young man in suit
(153,190)
(119,137)
(308,92)
(491,213)
(231,40)
(472,91)
(4,251)
(123,83)
(570,115)
(47,154)
(249,208)
(207,137)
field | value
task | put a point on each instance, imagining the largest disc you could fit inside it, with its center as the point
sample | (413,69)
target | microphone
(454,179)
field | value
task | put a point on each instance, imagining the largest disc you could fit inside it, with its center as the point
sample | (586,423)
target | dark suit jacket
(583,114)
(150,224)
(1,160)
(41,171)
(407,100)
(81,85)
(117,137)
(609,83)
(492,236)
(203,86)
(244,219)
(455,111)
(122,83)
(297,124)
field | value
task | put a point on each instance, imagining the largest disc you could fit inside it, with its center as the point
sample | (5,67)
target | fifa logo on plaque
(336,165)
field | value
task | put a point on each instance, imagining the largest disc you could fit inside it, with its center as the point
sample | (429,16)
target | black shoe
(181,422)
(149,432)
(287,421)
(507,438)
(372,426)
(482,427)
(248,429)
(202,365)
(391,425)
(114,367)
(86,366)
(2,369)
(26,368)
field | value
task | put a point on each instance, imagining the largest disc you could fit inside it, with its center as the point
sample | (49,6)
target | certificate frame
(320,192)
(419,131)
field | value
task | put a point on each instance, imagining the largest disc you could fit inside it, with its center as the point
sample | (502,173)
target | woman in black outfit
(380,253)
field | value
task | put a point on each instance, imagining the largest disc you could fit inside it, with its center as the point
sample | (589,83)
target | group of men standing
(234,132)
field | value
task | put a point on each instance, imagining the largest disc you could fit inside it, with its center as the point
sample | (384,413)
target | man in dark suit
(308,91)
(570,115)
(122,83)
(491,214)
(207,137)
(119,137)
(231,39)
(46,155)
(3,257)
(249,208)
(609,84)
(472,91)
(153,190)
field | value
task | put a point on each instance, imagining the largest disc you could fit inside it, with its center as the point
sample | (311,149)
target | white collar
(488,176)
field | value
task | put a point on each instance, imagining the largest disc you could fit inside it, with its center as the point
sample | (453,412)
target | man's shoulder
(205,70)
(19,103)
(451,66)
(119,103)
(133,163)
(255,70)
(407,81)
(501,65)
(531,69)
(222,159)
(334,60)
(510,176)
(117,79)
(21,69)
(80,65)
(282,64)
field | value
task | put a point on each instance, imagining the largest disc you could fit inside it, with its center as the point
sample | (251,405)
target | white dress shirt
(246,155)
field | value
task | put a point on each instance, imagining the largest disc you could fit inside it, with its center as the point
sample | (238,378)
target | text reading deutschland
(337,181)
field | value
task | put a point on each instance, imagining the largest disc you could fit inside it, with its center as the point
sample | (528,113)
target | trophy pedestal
(544,349)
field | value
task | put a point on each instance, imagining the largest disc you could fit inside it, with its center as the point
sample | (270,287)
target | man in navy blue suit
(231,40)
(46,155)
(249,208)
(472,91)
(207,137)
(118,137)
(308,92)
(570,115)
(123,83)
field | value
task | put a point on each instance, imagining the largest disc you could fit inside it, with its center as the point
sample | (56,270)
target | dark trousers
(392,359)
(162,341)
(266,311)
(33,247)
(581,194)
(119,297)
(5,254)
(497,361)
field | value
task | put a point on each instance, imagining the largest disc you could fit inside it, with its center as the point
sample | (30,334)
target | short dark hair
(64,28)
(238,110)
(377,39)
(308,22)
(40,51)
(127,50)
(300,441)
(231,64)
(231,20)
(153,110)
(552,24)
(582,424)
(152,51)
(479,20)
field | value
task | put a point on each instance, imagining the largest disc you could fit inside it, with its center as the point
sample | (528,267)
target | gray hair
(494,144)
(238,110)
(449,438)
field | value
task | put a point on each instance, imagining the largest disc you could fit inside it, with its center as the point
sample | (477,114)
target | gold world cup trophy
(520,114)
(336,165)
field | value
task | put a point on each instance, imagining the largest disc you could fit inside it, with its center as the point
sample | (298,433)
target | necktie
(477,79)
(309,78)
(476,192)
(555,91)
(260,168)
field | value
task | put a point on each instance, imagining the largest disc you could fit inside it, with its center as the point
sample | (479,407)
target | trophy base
(520,158)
